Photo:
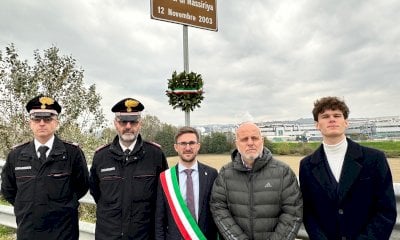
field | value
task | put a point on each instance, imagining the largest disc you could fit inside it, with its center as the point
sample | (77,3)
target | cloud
(269,59)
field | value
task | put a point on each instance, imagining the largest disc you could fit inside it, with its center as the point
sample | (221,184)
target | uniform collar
(49,143)
(130,147)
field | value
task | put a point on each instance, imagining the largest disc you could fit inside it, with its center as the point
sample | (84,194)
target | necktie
(42,150)
(126,153)
(189,192)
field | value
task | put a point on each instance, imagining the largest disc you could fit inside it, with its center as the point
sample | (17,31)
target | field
(217,161)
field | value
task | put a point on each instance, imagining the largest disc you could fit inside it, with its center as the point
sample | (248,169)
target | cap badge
(129,104)
(45,101)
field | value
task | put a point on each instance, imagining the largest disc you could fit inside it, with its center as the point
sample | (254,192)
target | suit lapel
(320,172)
(203,182)
(350,170)
(177,172)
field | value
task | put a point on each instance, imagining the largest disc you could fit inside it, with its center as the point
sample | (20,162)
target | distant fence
(86,230)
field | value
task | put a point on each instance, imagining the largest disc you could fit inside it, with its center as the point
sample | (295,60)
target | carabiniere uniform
(45,195)
(124,187)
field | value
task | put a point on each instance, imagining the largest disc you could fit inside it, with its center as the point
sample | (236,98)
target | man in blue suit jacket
(347,188)
(171,220)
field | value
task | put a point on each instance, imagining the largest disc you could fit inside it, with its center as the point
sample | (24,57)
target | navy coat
(165,224)
(361,206)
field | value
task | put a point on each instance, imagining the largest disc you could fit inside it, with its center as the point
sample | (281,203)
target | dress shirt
(182,184)
(131,147)
(49,144)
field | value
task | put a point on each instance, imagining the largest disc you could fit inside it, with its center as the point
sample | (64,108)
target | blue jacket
(361,206)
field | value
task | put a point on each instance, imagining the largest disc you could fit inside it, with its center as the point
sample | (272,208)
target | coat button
(340,211)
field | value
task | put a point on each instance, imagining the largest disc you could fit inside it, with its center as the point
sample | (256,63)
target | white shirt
(130,147)
(182,184)
(49,144)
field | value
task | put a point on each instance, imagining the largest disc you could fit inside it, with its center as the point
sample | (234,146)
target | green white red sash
(184,220)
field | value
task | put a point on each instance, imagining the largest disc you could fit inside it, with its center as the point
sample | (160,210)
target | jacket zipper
(122,189)
(251,205)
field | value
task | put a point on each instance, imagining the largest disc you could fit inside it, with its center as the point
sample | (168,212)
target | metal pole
(186,65)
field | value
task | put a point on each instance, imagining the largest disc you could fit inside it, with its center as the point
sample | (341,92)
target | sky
(269,60)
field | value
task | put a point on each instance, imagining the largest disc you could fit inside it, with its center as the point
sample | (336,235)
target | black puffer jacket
(262,203)
(125,190)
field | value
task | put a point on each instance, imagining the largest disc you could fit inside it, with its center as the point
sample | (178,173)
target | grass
(7,233)
(390,148)
(87,212)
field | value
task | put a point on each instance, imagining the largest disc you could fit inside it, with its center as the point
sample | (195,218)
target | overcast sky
(269,60)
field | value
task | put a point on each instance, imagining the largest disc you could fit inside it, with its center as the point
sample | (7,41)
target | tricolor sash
(184,220)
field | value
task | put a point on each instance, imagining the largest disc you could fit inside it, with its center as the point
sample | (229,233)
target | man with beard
(184,192)
(256,196)
(124,177)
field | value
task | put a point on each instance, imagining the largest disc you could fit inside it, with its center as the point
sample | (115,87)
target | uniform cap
(128,109)
(43,106)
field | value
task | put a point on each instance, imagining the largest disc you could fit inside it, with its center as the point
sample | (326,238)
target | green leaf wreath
(185,90)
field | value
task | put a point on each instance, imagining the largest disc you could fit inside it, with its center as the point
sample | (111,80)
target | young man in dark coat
(45,185)
(347,188)
(124,177)
(183,210)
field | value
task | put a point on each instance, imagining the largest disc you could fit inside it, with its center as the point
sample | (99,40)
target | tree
(151,125)
(205,144)
(165,137)
(52,75)
(217,142)
(268,144)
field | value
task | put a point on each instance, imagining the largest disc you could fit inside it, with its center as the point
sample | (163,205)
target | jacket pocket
(58,185)
(143,186)
(110,186)
(25,184)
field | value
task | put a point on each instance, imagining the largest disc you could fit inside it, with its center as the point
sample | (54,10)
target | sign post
(195,13)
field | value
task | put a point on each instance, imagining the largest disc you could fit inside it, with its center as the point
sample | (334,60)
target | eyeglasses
(184,144)
(38,119)
(124,123)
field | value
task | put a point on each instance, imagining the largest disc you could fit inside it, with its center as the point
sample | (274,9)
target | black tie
(189,192)
(42,150)
(126,153)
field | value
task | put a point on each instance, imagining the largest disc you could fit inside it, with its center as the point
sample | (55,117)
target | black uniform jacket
(125,189)
(361,206)
(165,225)
(45,196)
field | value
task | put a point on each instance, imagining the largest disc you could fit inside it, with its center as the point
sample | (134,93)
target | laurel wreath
(185,90)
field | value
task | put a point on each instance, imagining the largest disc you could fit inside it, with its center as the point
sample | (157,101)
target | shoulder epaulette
(72,143)
(101,147)
(20,144)
(154,144)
